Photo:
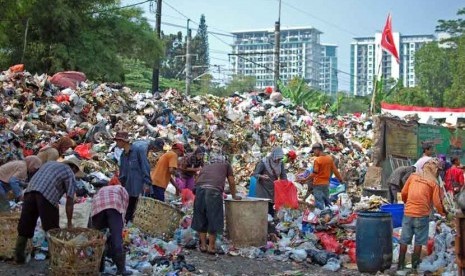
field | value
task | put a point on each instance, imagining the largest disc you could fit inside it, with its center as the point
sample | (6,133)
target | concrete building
(300,55)
(328,69)
(367,60)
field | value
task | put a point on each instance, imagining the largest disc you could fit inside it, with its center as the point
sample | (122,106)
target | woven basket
(9,234)
(157,218)
(73,257)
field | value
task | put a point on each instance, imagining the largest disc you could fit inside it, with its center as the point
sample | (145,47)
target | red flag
(387,39)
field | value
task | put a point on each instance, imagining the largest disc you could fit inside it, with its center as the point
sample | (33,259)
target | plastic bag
(115,180)
(285,195)
(319,257)
(329,243)
(17,68)
(187,197)
(253,186)
(350,246)
(83,150)
(298,255)
(333,264)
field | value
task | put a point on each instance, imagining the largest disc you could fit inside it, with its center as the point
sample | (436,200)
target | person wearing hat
(323,168)
(427,153)
(189,167)
(13,175)
(56,150)
(134,170)
(162,173)
(41,198)
(153,148)
(420,192)
(108,209)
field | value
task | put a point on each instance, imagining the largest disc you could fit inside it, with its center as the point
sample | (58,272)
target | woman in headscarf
(12,176)
(56,150)
(189,167)
(268,170)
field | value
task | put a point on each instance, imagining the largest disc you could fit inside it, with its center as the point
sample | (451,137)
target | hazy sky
(339,20)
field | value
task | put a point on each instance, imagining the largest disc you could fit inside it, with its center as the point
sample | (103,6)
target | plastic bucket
(397,212)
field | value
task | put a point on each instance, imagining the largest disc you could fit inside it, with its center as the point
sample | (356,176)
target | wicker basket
(9,234)
(75,251)
(157,218)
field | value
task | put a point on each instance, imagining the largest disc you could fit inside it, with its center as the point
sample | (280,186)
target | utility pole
(188,60)
(277,47)
(156,65)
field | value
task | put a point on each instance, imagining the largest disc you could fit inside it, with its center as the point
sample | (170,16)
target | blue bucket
(397,212)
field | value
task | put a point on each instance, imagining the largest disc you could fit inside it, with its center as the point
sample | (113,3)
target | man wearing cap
(427,153)
(323,168)
(41,198)
(134,170)
(420,192)
(162,173)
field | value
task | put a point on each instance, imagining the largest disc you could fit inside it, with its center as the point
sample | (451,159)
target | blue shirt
(135,169)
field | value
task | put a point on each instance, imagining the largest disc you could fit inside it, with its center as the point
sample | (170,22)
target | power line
(320,19)
(122,7)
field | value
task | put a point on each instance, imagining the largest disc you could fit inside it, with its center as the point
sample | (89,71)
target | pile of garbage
(38,109)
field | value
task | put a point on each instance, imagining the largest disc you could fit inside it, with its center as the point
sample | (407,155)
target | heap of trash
(39,109)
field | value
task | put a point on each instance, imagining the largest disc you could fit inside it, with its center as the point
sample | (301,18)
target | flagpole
(375,87)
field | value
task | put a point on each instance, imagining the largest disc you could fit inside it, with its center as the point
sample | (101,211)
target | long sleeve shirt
(134,170)
(454,179)
(418,193)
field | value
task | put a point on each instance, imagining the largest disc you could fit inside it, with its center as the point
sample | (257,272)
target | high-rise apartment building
(328,69)
(300,55)
(367,60)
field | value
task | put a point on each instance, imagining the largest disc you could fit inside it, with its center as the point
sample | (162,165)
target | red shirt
(110,197)
(454,175)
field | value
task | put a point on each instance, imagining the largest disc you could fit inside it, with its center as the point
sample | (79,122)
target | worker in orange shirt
(163,171)
(420,190)
(323,168)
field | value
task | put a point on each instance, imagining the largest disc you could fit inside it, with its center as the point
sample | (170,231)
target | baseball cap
(316,146)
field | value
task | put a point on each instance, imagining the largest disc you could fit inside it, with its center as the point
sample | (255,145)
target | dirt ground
(206,265)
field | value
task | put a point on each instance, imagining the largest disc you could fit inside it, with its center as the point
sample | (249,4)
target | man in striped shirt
(108,209)
(41,198)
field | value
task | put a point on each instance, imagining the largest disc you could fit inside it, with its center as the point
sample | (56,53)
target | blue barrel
(373,241)
(397,212)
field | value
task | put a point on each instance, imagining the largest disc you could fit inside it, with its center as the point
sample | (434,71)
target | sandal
(203,250)
(219,252)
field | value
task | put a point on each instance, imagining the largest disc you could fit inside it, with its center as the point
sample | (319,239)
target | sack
(253,187)
(285,195)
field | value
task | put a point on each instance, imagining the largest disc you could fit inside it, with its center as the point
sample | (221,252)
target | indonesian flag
(387,40)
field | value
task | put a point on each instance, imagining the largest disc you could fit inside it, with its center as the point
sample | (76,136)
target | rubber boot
(20,254)
(120,260)
(402,253)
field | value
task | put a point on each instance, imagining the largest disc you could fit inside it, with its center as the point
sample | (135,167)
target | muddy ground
(205,265)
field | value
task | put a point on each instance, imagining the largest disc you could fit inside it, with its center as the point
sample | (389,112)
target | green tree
(433,71)
(410,96)
(241,84)
(455,27)
(92,36)
(299,93)
(201,49)
(455,95)
(173,61)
